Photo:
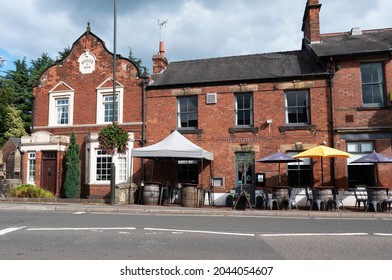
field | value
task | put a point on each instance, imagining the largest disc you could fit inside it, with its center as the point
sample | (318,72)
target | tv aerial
(161,24)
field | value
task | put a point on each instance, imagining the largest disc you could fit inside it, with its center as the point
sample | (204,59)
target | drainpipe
(144,105)
(331,72)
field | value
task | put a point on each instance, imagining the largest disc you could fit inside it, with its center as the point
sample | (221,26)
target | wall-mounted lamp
(269,121)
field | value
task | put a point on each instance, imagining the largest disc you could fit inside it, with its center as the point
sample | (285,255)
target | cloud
(195,29)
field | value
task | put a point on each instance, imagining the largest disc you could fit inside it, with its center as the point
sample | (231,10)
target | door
(245,176)
(49,171)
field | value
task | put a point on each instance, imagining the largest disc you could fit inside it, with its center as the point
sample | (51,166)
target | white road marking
(200,231)
(382,234)
(312,234)
(8,230)
(76,229)
(78,213)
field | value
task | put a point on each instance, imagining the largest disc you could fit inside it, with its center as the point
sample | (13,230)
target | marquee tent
(173,146)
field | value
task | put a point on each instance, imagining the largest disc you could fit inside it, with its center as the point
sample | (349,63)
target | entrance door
(49,171)
(248,179)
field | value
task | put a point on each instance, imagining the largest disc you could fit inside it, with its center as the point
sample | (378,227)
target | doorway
(49,171)
(245,178)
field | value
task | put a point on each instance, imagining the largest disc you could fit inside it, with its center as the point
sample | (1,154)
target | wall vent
(211,98)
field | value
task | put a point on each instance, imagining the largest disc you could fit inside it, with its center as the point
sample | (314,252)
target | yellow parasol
(322,152)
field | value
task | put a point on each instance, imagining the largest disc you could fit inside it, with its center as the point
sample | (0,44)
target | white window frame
(378,84)
(100,107)
(53,108)
(91,164)
(240,110)
(31,156)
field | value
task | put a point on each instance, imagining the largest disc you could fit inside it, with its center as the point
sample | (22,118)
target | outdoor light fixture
(269,121)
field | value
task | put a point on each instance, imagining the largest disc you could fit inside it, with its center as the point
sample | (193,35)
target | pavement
(97,205)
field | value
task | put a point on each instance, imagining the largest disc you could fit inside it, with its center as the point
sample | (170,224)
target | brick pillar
(311,21)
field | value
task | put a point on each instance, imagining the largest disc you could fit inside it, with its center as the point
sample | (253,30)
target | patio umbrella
(278,157)
(374,157)
(322,152)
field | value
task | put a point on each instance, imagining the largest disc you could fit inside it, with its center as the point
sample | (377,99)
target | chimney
(311,21)
(159,60)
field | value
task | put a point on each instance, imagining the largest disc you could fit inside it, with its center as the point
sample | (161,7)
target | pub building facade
(334,90)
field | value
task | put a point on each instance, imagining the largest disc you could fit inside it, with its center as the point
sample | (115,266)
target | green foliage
(28,190)
(63,54)
(138,63)
(72,172)
(113,139)
(245,163)
(13,123)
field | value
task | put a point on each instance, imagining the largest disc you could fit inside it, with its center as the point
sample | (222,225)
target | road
(41,235)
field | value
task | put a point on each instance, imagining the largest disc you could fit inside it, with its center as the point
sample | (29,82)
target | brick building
(76,95)
(334,90)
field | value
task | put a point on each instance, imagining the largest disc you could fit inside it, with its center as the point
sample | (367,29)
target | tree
(244,163)
(137,62)
(13,123)
(63,54)
(72,172)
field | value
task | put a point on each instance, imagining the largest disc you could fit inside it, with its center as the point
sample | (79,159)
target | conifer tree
(72,172)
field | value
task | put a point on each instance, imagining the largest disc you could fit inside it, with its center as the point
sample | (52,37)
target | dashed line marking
(81,229)
(200,231)
(312,234)
(8,230)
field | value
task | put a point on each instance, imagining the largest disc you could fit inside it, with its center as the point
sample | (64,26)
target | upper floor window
(105,106)
(187,116)
(108,107)
(297,107)
(372,78)
(243,109)
(60,108)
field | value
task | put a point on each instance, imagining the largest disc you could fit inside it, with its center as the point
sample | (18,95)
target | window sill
(234,130)
(310,127)
(190,131)
(372,108)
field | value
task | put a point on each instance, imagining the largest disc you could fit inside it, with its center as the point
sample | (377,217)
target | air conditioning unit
(211,98)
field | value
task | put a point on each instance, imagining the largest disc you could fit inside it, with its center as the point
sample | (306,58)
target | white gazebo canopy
(173,146)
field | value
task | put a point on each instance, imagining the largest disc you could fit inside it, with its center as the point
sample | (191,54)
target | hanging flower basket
(113,139)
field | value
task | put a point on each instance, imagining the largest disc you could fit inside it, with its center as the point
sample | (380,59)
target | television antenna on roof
(161,24)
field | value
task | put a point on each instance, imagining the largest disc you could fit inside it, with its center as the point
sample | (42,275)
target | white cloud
(195,29)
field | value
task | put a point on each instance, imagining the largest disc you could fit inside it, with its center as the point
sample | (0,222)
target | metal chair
(338,201)
(386,204)
(291,199)
(316,200)
(360,194)
(309,196)
(373,201)
(164,193)
(269,201)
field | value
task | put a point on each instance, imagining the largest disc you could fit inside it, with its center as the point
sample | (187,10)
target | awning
(173,146)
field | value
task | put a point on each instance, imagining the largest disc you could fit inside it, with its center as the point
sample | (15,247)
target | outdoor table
(377,195)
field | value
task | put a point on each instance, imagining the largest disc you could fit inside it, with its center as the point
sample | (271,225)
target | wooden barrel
(151,194)
(189,196)
(280,194)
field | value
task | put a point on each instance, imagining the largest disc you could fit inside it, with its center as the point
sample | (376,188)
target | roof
(342,44)
(242,68)
(173,146)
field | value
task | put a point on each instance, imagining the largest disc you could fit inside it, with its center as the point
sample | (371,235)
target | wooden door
(49,171)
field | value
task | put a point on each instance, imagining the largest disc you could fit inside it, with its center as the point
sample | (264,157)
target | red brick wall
(216,119)
(85,96)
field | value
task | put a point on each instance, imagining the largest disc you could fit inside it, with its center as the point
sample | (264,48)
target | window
(61,109)
(244,109)
(122,168)
(104,161)
(360,173)
(299,173)
(98,163)
(105,105)
(372,84)
(188,171)
(297,107)
(108,108)
(187,116)
(31,167)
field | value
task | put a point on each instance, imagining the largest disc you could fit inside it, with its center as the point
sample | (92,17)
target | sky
(195,29)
